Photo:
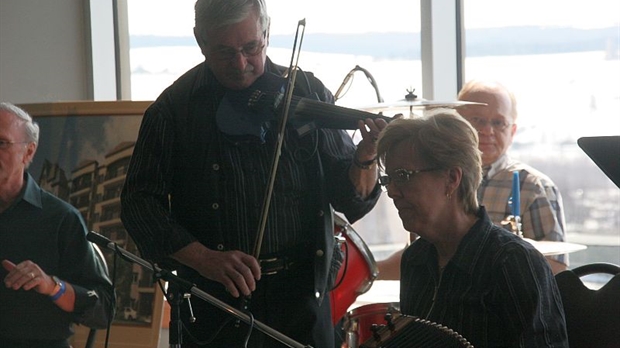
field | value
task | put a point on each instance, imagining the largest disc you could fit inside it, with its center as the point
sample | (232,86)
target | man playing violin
(195,189)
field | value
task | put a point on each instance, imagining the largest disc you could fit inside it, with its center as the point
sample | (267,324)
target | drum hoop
(366,253)
(373,308)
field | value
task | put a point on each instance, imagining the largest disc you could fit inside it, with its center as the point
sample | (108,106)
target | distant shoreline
(526,40)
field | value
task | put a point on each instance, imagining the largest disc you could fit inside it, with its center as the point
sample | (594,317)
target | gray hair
(215,14)
(31,128)
(442,139)
(490,87)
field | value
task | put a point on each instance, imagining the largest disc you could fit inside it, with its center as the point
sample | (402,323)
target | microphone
(100,240)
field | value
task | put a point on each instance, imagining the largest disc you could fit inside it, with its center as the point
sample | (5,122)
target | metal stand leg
(175,298)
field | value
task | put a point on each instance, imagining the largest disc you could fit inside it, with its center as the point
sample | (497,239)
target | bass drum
(358,270)
(358,322)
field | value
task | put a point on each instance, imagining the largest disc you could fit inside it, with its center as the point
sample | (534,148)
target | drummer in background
(541,202)
(464,272)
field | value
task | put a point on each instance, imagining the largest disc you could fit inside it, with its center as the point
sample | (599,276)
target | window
(560,58)
(562,61)
(382,38)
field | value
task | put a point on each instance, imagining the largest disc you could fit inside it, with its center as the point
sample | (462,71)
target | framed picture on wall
(82,157)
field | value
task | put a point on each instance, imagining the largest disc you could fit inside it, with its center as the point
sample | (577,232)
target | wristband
(59,290)
(363,165)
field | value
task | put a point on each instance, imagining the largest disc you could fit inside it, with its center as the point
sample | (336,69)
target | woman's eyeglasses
(401,176)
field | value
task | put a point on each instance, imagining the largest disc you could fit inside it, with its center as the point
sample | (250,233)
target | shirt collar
(31,192)
(465,255)
(500,164)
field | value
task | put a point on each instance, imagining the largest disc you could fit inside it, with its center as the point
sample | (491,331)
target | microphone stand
(185,286)
(372,81)
(175,298)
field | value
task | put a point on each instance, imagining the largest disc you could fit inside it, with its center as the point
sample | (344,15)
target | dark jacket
(193,178)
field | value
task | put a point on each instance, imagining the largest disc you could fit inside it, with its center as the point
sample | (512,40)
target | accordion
(413,332)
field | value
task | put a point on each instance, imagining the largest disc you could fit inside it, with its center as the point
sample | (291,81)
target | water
(561,97)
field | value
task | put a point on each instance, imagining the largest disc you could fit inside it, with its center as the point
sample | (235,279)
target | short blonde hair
(443,139)
(490,87)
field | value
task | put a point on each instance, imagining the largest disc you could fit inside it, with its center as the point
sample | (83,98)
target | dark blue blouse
(496,291)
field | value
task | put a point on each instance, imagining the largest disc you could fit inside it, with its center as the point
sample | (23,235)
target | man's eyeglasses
(248,50)
(5,144)
(401,176)
(497,124)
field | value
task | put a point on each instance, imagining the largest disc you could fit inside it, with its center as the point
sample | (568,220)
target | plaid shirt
(542,213)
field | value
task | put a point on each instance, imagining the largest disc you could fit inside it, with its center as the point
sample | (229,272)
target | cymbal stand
(513,223)
(186,287)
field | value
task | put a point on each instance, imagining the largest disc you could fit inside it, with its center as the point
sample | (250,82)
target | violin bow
(292,74)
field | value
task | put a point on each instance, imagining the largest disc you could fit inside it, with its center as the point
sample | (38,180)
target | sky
(175,18)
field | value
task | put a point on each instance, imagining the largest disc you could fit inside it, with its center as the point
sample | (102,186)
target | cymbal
(549,248)
(417,104)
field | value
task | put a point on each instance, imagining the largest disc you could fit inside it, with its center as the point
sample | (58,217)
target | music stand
(605,152)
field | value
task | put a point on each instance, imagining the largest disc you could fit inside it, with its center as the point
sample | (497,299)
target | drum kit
(414,104)
(411,102)
(361,323)
(550,248)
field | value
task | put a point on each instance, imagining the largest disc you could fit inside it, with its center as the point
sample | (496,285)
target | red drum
(357,273)
(359,321)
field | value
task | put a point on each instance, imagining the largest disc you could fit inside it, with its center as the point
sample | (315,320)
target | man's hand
(27,275)
(236,270)
(367,147)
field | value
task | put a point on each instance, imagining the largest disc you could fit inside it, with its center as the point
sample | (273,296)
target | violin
(247,112)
